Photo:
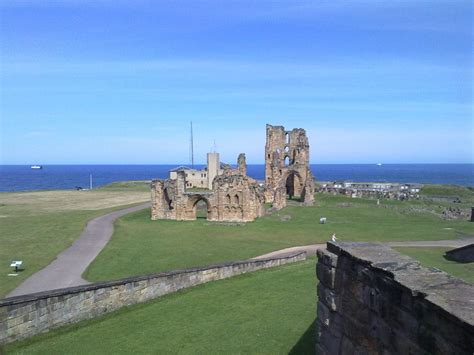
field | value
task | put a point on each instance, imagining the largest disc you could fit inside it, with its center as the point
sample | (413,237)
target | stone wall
(373,300)
(234,197)
(28,315)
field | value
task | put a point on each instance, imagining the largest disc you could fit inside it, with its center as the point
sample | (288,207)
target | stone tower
(287,171)
(242,164)
(213,167)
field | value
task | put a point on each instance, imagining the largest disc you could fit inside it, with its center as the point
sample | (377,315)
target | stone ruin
(287,171)
(235,197)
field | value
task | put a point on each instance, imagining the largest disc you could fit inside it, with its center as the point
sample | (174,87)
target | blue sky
(117,82)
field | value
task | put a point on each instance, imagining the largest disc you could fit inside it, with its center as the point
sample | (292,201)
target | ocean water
(23,178)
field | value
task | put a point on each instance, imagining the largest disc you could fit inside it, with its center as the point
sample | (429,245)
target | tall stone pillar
(242,164)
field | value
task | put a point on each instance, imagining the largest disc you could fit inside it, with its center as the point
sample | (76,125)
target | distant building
(395,191)
(201,178)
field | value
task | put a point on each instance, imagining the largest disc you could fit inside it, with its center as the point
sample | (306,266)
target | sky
(118,82)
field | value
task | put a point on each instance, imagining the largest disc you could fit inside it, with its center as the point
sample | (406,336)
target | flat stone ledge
(451,295)
(103,284)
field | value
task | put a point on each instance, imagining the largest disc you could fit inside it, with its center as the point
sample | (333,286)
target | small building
(200,178)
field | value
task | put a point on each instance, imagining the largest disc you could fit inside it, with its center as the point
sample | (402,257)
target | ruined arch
(196,211)
(236,199)
(293,184)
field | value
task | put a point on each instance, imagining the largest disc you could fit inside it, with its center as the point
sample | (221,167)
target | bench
(16,264)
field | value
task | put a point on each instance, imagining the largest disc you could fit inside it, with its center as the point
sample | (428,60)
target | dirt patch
(47,201)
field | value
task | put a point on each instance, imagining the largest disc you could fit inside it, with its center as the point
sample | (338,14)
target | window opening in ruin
(287,137)
(236,199)
(287,160)
(287,149)
(227,199)
(168,200)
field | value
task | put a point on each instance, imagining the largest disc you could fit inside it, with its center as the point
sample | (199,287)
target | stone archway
(199,207)
(293,184)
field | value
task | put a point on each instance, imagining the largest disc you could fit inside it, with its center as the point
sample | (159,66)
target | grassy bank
(266,312)
(36,226)
(141,246)
(434,257)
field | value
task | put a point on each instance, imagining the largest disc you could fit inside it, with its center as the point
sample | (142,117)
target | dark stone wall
(373,300)
(464,254)
(28,315)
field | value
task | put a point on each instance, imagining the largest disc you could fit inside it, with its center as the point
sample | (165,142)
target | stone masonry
(287,171)
(373,300)
(24,316)
(234,197)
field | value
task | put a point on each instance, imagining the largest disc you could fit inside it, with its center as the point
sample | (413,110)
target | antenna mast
(191,147)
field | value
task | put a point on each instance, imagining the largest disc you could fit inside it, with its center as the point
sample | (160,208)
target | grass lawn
(141,246)
(434,257)
(265,312)
(36,226)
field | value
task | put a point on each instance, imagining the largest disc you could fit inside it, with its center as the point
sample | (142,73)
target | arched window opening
(168,200)
(236,199)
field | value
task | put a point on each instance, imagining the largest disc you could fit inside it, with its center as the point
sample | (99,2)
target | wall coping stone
(102,284)
(450,295)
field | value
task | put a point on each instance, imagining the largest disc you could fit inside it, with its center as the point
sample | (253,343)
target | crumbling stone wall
(234,197)
(27,315)
(373,300)
(287,171)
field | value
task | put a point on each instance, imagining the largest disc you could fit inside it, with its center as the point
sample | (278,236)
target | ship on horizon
(36,167)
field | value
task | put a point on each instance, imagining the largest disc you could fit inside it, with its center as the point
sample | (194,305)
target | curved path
(67,268)
(311,249)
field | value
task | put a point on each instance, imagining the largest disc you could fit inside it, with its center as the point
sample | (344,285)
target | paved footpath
(67,268)
(311,249)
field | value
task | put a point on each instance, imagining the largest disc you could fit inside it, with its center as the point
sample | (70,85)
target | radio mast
(191,147)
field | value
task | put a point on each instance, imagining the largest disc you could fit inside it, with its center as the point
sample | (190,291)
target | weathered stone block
(326,275)
(327,296)
(327,257)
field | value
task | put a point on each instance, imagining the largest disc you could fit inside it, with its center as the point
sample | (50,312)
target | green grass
(266,312)
(36,226)
(139,185)
(435,257)
(141,246)
(466,194)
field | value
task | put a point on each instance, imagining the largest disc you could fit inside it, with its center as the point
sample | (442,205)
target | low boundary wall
(373,300)
(28,315)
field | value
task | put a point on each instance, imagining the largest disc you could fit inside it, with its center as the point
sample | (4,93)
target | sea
(54,177)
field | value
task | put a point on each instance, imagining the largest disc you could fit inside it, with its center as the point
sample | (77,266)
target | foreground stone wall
(28,315)
(373,300)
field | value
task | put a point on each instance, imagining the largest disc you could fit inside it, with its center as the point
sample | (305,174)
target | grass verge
(434,257)
(265,312)
(141,246)
(36,226)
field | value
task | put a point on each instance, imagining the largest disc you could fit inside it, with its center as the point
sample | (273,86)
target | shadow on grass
(307,343)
